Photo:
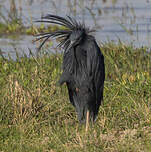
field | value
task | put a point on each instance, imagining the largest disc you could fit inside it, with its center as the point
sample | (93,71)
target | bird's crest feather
(69,23)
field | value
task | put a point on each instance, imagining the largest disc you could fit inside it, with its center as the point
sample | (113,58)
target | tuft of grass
(12,23)
(35,114)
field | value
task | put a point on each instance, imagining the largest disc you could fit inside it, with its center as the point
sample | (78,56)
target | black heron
(83,65)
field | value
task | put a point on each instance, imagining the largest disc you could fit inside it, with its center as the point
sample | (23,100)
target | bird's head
(76,37)
(70,37)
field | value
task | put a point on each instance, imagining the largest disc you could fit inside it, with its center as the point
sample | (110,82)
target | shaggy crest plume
(69,23)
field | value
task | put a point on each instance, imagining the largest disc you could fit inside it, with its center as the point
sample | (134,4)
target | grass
(12,23)
(17,28)
(36,116)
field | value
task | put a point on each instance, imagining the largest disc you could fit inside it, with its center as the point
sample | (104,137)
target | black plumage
(83,65)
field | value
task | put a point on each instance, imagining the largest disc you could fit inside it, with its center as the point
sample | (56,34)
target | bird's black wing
(67,77)
(96,69)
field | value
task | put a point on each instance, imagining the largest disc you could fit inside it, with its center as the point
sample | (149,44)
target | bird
(83,68)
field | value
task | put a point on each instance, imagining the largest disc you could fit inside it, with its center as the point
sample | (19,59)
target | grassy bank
(18,28)
(35,114)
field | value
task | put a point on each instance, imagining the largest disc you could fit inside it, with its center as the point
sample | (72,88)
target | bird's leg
(87,120)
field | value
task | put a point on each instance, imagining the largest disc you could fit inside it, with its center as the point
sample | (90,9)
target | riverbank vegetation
(35,113)
(12,22)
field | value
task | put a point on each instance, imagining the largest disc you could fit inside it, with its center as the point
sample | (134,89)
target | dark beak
(70,45)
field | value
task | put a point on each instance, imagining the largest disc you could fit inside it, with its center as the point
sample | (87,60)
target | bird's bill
(70,45)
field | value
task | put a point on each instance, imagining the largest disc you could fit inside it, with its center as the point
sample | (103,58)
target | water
(127,20)
(18,44)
